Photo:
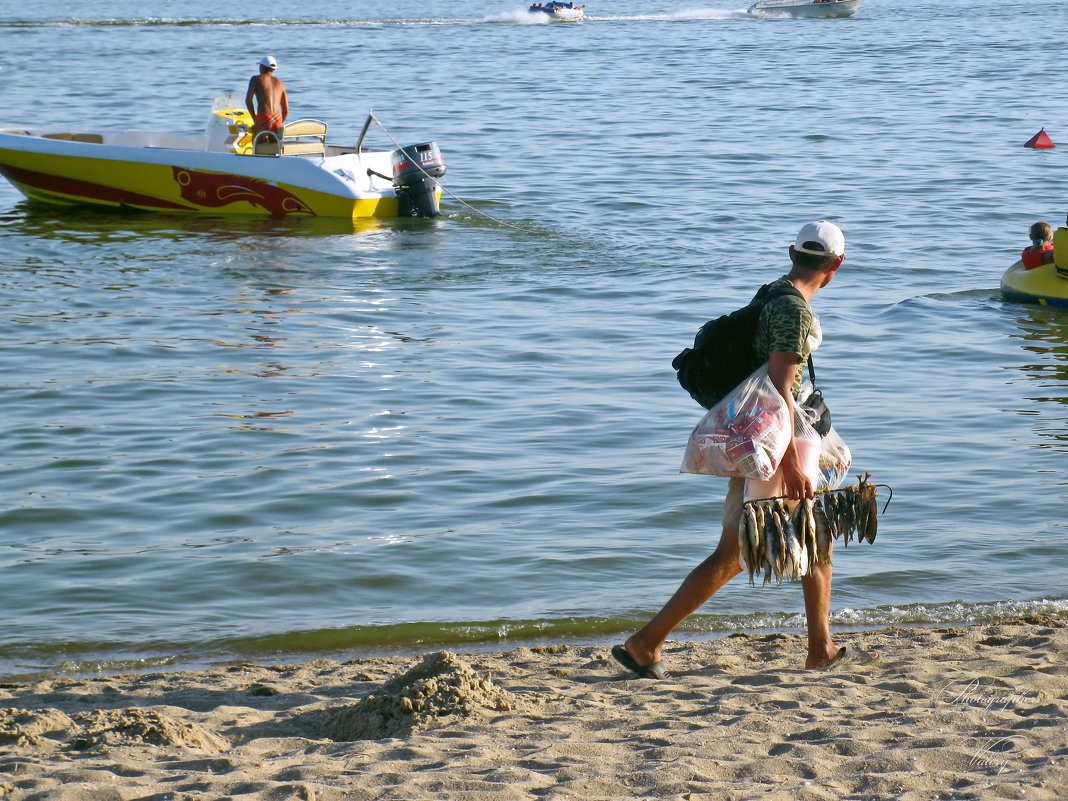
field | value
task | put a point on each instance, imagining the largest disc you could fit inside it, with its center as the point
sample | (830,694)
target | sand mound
(134,726)
(440,686)
(26,727)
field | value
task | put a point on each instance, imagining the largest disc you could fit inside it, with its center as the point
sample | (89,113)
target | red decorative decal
(86,191)
(220,189)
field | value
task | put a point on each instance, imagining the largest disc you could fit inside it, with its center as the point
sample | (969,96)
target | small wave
(177,22)
(953,613)
(228,21)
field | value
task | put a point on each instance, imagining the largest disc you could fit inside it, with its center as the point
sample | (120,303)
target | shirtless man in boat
(271,104)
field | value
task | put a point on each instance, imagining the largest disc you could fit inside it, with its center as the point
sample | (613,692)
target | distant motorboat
(825,9)
(559,12)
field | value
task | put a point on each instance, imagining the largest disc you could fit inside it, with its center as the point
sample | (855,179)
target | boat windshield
(228,100)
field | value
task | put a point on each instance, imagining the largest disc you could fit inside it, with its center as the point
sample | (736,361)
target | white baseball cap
(269,62)
(820,238)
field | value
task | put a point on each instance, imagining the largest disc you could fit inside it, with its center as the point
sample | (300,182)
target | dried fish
(871,527)
(787,543)
(847,519)
(745,559)
(868,509)
(756,538)
(789,540)
(873,520)
(757,544)
(823,535)
(811,546)
(809,506)
(774,544)
(746,532)
(769,553)
(827,503)
(801,529)
(861,513)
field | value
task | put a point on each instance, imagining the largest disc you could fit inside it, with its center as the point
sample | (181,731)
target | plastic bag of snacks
(744,435)
(808,443)
(835,459)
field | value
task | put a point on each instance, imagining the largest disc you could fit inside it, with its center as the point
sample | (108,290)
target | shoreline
(972,711)
(485,636)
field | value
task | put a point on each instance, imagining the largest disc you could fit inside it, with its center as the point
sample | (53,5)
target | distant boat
(559,12)
(825,9)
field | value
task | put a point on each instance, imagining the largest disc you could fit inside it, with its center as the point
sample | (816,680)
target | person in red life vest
(1041,250)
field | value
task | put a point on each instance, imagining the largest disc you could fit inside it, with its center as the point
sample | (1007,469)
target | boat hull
(833,9)
(65,172)
(562,14)
(1041,285)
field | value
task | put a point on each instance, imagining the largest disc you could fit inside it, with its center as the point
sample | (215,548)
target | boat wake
(518,17)
(676,16)
(522,17)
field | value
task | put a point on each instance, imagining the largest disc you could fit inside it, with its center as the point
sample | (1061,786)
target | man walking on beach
(271,103)
(782,337)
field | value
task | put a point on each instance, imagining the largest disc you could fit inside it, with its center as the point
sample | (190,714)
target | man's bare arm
(250,96)
(782,368)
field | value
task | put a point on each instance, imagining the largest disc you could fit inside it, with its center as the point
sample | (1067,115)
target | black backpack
(722,354)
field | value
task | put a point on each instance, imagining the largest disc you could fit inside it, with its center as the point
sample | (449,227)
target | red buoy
(1040,140)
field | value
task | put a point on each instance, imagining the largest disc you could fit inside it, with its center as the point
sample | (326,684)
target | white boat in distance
(814,9)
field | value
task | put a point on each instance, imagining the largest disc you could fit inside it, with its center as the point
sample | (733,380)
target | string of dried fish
(777,540)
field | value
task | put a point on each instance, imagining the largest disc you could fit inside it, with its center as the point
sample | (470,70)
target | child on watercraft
(1041,250)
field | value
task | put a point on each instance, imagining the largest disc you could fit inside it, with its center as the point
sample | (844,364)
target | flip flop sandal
(850,656)
(654,670)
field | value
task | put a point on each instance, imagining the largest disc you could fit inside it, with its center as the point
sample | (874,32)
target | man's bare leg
(817,589)
(702,583)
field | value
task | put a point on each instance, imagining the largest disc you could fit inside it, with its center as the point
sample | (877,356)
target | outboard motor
(414,169)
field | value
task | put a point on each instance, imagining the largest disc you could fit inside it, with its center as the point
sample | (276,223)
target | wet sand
(974,712)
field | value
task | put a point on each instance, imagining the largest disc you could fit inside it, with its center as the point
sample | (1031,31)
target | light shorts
(740,490)
(732,506)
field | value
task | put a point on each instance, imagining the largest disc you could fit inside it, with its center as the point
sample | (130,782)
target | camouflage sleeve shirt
(784,327)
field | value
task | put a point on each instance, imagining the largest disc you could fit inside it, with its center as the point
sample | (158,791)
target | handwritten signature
(998,753)
(974,694)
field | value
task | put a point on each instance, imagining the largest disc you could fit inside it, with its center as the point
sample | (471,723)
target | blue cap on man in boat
(268,62)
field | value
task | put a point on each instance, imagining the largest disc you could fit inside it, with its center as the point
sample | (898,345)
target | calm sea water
(228,438)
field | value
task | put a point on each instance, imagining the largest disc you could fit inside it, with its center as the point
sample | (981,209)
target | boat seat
(91,139)
(301,137)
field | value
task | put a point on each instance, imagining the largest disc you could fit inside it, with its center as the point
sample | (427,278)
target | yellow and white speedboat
(223,171)
(1039,285)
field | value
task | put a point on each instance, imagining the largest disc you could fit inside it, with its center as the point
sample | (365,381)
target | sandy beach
(974,712)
